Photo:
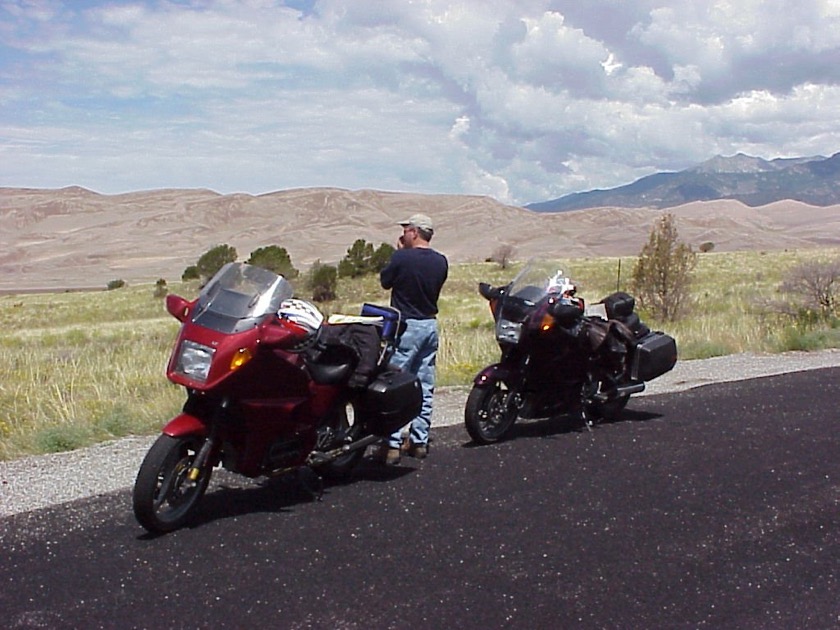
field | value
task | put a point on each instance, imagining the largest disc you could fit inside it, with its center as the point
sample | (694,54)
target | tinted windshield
(239,296)
(537,279)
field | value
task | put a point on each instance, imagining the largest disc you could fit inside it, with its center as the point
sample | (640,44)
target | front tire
(490,412)
(164,496)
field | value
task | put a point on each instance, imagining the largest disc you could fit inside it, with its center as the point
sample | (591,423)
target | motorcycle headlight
(508,332)
(194,360)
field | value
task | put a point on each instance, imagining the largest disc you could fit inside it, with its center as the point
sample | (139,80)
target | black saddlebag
(654,355)
(619,304)
(391,401)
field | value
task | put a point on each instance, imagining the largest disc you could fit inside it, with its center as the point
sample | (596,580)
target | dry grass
(79,368)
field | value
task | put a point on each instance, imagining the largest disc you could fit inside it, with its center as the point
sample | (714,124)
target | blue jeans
(416,352)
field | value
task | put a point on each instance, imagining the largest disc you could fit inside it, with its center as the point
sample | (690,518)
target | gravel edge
(32,483)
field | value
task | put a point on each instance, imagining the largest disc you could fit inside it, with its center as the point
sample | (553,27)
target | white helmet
(302,313)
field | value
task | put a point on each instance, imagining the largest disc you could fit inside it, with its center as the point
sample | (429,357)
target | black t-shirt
(415,277)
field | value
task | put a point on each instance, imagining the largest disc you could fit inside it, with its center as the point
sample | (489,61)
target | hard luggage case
(619,304)
(391,401)
(655,354)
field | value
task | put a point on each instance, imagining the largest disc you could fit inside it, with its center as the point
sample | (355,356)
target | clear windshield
(536,280)
(239,296)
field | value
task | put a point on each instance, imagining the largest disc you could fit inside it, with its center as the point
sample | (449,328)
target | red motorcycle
(271,388)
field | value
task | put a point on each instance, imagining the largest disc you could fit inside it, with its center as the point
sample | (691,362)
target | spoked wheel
(164,495)
(340,429)
(490,412)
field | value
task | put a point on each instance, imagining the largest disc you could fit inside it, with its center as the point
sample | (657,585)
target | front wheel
(490,412)
(164,494)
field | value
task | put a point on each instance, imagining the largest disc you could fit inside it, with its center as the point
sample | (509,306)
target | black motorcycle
(560,356)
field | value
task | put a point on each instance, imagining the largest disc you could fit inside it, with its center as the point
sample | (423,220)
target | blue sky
(521,100)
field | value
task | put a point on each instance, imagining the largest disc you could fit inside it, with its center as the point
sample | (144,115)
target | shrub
(190,273)
(323,280)
(502,256)
(276,259)
(116,284)
(160,289)
(814,286)
(214,259)
(662,276)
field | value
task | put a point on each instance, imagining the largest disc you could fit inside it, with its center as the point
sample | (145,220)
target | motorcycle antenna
(618,277)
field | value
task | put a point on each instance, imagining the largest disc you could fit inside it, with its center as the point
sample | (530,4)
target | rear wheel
(490,412)
(164,494)
(597,410)
(339,430)
(611,410)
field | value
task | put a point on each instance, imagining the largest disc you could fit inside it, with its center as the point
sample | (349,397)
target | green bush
(214,259)
(323,280)
(276,259)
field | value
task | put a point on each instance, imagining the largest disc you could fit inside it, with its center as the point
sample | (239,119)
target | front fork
(185,423)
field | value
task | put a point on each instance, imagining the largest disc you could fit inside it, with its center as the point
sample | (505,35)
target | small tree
(274,259)
(160,288)
(190,273)
(214,259)
(502,255)
(381,257)
(815,285)
(663,271)
(323,280)
(357,261)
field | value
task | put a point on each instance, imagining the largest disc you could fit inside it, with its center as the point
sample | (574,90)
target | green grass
(81,368)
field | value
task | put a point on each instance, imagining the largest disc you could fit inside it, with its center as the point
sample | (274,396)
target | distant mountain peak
(751,180)
(738,163)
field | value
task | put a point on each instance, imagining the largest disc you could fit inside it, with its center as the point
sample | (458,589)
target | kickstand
(311,482)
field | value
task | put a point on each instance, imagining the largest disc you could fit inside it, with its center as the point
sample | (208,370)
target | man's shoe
(389,456)
(418,451)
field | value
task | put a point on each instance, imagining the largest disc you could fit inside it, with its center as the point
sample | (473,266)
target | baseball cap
(421,221)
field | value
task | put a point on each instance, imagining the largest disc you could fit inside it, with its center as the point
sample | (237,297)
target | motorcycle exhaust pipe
(318,458)
(618,392)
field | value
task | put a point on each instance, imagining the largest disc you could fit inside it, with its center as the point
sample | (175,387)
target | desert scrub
(74,389)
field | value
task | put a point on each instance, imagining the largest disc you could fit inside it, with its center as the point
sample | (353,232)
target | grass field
(81,368)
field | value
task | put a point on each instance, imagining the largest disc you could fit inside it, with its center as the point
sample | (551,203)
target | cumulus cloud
(523,100)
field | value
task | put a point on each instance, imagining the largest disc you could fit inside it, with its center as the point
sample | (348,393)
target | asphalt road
(716,507)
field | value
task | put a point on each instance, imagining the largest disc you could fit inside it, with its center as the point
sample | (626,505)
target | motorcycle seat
(330,365)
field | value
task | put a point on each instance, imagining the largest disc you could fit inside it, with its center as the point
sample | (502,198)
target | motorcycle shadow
(566,423)
(230,495)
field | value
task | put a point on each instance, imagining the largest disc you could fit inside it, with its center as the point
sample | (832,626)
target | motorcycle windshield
(536,280)
(239,296)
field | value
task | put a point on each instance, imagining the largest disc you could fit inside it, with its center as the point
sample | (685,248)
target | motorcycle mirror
(489,293)
(178,307)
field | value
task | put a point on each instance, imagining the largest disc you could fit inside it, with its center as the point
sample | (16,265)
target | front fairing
(523,303)
(222,330)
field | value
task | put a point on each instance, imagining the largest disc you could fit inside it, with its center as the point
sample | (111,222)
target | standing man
(415,275)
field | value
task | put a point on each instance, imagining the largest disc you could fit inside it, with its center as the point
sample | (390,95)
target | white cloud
(520,99)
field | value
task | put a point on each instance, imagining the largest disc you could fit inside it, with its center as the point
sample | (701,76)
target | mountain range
(76,238)
(751,180)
